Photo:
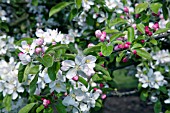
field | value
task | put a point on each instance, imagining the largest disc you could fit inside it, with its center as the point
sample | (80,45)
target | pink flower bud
(90,45)
(95,89)
(125,59)
(46,102)
(19,54)
(143,41)
(122,17)
(39,41)
(53,43)
(100,54)
(126,46)
(38,50)
(155,26)
(126,10)
(116,48)
(129,43)
(102,38)
(98,33)
(75,78)
(101,85)
(134,52)
(103,96)
(150,33)
(121,46)
(134,26)
(104,33)
(137,15)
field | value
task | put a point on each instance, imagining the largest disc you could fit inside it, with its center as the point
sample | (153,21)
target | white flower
(58,85)
(81,64)
(162,57)
(167,101)
(111,4)
(25,58)
(152,79)
(86,4)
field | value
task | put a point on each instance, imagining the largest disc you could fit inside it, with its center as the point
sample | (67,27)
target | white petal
(71,73)
(100,19)
(14,95)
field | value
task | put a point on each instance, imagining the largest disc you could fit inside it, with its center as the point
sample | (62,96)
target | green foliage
(155,7)
(162,30)
(142,53)
(21,72)
(27,108)
(92,49)
(39,109)
(106,50)
(141,28)
(78,3)
(158,107)
(141,7)
(131,34)
(33,84)
(101,69)
(52,71)
(7,102)
(46,60)
(144,95)
(60,107)
(59,7)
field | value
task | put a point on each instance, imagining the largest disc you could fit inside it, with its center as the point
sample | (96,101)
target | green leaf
(60,107)
(97,78)
(162,30)
(119,58)
(155,7)
(98,105)
(158,107)
(58,7)
(144,95)
(52,71)
(142,53)
(35,2)
(92,49)
(21,72)
(165,11)
(136,45)
(110,31)
(47,60)
(7,102)
(39,109)
(141,7)
(131,34)
(27,108)
(56,48)
(101,69)
(154,42)
(168,25)
(115,36)
(73,13)
(83,81)
(33,84)
(141,28)
(106,50)
(34,69)
(28,40)
(167,111)
(163,89)
(118,21)
(78,3)
(26,72)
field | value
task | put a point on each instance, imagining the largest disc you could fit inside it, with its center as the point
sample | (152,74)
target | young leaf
(168,25)
(115,36)
(56,47)
(83,81)
(60,107)
(158,107)
(101,69)
(26,72)
(143,53)
(39,109)
(165,11)
(7,102)
(131,34)
(92,49)
(155,7)
(163,30)
(118,21)
(21,72)
(78,3)
(144,95)
(52,71)
(47,60)
(33,84)
(141,28)
(27,108)
(106,50)
(141,7)
(59,7)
